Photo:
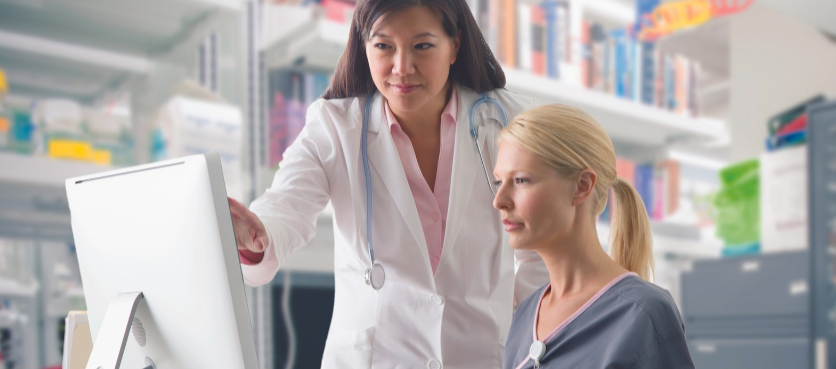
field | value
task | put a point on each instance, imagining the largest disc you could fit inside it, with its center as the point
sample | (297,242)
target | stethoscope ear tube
(474,131)
(376,275)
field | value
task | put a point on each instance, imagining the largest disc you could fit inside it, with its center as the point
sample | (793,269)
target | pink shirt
(431,205)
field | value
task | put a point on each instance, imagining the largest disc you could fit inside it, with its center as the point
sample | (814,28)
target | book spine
(648,75)
(626,169)
(586,57)
(493,26)
(658,194)
(553,51)
(636,70)
(644,185)
(507,42)
(619,62)
(524,42)
(598,57)
(538,40)
(680,84)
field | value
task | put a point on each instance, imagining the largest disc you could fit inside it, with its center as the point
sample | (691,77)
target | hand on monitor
(249,233)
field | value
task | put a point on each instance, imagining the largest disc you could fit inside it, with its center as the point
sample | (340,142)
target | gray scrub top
(633,324)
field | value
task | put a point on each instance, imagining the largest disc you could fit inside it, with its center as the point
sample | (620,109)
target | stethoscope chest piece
(536,352)
(375,276)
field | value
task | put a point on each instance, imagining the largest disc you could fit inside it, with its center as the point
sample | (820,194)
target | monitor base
(113,334)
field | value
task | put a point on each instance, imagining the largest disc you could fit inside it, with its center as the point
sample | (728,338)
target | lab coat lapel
(386,163)
(351,144)
(466,167)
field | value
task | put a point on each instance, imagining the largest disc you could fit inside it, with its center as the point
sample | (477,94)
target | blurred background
(711,106)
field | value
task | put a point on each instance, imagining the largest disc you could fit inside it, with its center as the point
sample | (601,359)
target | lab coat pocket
(351,349)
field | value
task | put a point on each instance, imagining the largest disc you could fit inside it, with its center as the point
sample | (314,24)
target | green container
(738,204)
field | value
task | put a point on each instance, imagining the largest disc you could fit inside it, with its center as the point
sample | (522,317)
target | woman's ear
(584,186)
(457,43)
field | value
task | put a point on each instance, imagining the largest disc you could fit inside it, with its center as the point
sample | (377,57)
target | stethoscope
(376,275)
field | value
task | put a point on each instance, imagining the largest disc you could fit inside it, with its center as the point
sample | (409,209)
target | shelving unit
(128,56)
(625,120)
(92,52)
(317,43)
(33,197)
(86,49)
(313,43)
(14,289)
(665,244)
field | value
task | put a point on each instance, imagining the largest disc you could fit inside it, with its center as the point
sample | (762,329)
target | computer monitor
(158,256)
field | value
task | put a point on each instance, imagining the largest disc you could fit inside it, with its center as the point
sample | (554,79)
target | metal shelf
(34,170)
(664,244)
(82,49)
(14,289)
(317,44)
(33,200)
(625,120)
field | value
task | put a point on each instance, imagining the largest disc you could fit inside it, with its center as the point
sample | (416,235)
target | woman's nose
(501,200)
(403,64)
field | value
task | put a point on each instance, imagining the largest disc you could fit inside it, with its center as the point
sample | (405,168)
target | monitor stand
(113,334)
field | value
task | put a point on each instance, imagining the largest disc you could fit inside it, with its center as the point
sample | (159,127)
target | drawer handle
(750,266)
(821,354)
(706,348)
(798,288)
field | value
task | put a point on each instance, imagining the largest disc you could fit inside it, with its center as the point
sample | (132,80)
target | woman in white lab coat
(444,283)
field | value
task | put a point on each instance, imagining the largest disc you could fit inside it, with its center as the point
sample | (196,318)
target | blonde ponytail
(571,140)
(631,240)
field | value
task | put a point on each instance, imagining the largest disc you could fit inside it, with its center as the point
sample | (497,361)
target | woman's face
(409,57)
(536,203)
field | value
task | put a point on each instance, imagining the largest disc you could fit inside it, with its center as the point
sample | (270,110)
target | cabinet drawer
(760,354)
(772,284)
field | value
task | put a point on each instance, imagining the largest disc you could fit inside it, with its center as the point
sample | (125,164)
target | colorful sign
(670,17)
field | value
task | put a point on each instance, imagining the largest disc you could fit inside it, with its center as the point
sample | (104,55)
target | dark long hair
(475,66)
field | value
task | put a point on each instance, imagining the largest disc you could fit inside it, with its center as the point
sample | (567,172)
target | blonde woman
(554,170)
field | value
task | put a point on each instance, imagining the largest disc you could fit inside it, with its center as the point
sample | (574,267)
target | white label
(798,288)
(750,266)
(706,348)
(821,354)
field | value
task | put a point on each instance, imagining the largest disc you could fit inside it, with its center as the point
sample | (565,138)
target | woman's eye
(497,183)
(381,46)
(521,180)
(423,46)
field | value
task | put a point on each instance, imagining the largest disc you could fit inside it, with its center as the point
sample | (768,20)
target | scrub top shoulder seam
(653,319)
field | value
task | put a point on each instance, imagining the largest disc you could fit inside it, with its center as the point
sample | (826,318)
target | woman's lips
(404,89)
(511,226)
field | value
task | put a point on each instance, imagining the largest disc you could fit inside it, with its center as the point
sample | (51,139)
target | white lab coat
(457,318)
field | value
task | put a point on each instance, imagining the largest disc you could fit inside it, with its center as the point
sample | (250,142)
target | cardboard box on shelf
(188,126)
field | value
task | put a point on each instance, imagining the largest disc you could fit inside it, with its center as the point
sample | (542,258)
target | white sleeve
(300,190)
(531,274)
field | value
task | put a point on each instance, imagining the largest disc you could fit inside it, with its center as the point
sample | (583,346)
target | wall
(776,62)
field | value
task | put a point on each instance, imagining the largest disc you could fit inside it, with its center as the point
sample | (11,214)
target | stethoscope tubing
(474,133)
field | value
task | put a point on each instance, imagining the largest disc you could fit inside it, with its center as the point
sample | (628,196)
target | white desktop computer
(159,267)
